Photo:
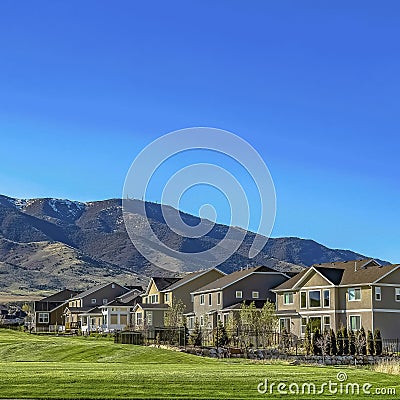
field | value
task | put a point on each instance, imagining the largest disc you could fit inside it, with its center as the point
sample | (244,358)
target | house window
(303,299)
(201,321)
(113,285)
(166,297)
(43,318)
(255,295)
(314,298)
(202,299)
(327,323)
(378,293)
(355,322)
(93,301)
(303,326)
(284,323)
(149,316)
(288,298)
(105,301)
(191,323)
(327,300)
(219,298)
(139,318)
(209,299)
(154,298)
(239,294)
(397,294)
(354,294)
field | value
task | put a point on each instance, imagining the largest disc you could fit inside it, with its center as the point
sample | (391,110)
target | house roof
(188,278)
(161,282)
(228,280)
(128,299)
(93,311)
(78,310)
(61,296)
(94,289)
(237,306)
(152,306)
(358,272)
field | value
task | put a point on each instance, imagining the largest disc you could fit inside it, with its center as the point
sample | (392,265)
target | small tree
(333,346)
(308,340)
(352,343)
(370,343)
(346,349)
(268,322)
(323,342)
(196,336)
(361,342)
(339,341)
(285,340)
(378,342)
(221,337)
(315,340)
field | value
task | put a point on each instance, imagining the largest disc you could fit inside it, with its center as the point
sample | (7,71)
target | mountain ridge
(77,244)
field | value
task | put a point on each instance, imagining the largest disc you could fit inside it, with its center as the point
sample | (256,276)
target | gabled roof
(237,306)
(232,278)
(94,289)
(151,306)
(190,277)
(127,299)
(358,272)
(61,296)
(93,311)
(161,282)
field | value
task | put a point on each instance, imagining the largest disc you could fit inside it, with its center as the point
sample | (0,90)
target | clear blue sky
(313,86)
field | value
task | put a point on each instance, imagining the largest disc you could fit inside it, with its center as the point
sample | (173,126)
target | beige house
(162,292)
(356,294)
(225,295)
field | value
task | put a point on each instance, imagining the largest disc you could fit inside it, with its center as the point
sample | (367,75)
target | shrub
(387,367)
(370,344)
(339,341)
(315,342)
(307,340)
(378,342)
(333,347)
(346,349)
(352,343)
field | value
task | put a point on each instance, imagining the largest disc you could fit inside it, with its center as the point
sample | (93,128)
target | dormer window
(239,294)
(105,301)
(93,301)
(255,295)
(378,293)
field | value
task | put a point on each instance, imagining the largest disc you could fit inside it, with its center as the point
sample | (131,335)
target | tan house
(162,292)
(353,294)
(225,295)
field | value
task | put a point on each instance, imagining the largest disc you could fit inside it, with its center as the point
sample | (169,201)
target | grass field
(76,367)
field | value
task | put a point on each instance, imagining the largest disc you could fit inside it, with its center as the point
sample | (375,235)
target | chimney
(355,266)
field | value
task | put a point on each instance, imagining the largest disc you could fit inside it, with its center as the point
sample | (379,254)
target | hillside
(46,244)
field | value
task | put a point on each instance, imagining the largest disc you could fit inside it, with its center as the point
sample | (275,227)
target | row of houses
(353,294)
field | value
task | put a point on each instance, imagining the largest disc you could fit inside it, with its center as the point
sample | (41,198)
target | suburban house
(161,294)
(218,299)
(48,312)
(117,313)
(83,312)
(356,294)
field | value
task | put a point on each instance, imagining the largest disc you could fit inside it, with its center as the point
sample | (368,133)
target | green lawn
(75,367)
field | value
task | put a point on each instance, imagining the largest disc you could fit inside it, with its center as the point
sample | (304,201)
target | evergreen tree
(307,340)
(196,336)
(315,342)
(378,342)
(370,343)
(362,341)
(346,350)
(352,343)
(339,342)
(221,337)
(333,347)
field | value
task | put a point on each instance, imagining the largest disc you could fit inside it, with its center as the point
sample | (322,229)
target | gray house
(225,295)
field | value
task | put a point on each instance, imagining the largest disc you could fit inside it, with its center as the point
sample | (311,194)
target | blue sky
(313,86)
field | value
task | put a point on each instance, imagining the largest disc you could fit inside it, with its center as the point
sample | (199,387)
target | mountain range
(47,244)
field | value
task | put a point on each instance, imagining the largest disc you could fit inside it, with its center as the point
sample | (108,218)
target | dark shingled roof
(356,272)
(163,282)
(187,278)
(233,277)
(94,290)
(238,306)
(62,296)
